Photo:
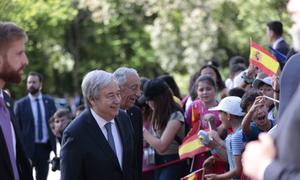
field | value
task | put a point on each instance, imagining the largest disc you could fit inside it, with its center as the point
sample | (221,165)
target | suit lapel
(100,140)
(46,105)
(28,110)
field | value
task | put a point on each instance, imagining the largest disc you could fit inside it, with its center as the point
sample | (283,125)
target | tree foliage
(71,37)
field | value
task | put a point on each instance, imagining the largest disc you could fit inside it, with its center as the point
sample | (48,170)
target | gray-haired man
(99,142)
(129,83)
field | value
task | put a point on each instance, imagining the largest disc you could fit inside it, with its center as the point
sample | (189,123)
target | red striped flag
(263,59)
(192,145)
(199,174)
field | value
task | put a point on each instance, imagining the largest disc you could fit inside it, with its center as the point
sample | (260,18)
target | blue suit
(283,48)
(25,119)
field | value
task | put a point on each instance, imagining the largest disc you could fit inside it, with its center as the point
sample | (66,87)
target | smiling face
(206,92)
(13,62)
(108,102)
(130,91)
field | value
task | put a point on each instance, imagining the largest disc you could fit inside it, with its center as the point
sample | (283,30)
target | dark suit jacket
(287,163)
(289,80)
(284,48)
(136,118)
(86,154)
(25,120)
(6,172)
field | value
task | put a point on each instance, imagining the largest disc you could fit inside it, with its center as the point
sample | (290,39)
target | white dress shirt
(116,135)
(35,116)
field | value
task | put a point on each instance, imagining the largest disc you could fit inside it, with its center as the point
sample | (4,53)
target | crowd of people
(130,124)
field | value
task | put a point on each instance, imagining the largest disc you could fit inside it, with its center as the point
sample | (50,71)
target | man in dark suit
(33,113)
(265,159)
(98,144)
(130,89)
(14,165)
(274,33)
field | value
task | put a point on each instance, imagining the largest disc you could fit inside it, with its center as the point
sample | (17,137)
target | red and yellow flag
(191,147)
(191,144)
(195,121)
(262,59)
(199,174)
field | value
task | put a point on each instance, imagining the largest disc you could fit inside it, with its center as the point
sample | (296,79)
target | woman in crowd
(167,129)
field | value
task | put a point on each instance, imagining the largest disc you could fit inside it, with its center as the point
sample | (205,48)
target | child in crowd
(206,91)
(265,86)
(61,120)
(199,111)
(213,72)
(256,119)
(231,117)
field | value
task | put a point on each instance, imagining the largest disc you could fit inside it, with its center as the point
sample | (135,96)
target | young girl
(206,91)
(213,72)
(167,129)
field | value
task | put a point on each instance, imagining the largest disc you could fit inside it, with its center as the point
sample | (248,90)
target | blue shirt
(255,131)
(234,146)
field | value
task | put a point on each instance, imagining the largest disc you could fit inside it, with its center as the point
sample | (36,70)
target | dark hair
(209,80)
(143,82)
(236,68)
(276,27)
(249,98)
(192,90)
(33,73)
(237,91)
(213,62)
(80,108)
(219,82)
(172,84)
(10,32)
(62,112)
(236,60)
(159,92)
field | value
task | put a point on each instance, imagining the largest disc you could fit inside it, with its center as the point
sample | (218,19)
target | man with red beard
(277,156)
(33,113)
(13,162)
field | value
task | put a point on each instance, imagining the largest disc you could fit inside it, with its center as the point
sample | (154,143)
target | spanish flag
(196,175)
(195,121)
(262,59)
(191,144)
(191,147)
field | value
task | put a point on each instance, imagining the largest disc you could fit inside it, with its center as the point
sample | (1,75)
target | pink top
(202,110)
